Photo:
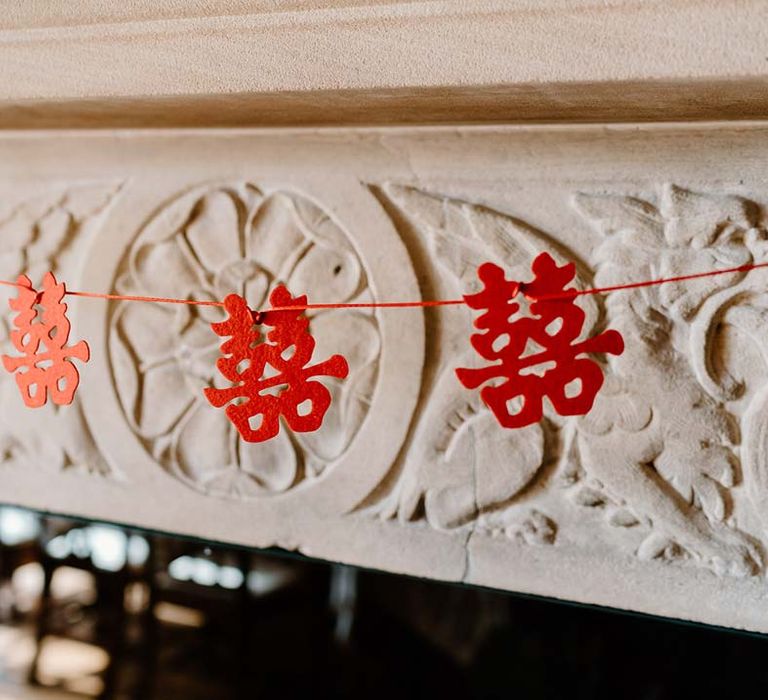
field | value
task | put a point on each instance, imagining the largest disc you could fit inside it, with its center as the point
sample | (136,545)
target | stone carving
(681,440)
(657,501)
(205,244)
(461,467)
(43,231)
(659,453)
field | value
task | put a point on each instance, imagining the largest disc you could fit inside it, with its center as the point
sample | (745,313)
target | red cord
(157,300)
(412,304)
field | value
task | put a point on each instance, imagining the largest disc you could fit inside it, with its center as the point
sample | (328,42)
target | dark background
(172,618)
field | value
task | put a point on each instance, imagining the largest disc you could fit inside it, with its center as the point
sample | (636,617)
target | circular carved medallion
(205,244)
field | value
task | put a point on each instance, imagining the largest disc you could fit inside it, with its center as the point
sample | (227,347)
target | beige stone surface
(231,62)
(656,501)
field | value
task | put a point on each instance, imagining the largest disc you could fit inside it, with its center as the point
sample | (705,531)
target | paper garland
(556,324)
(270,374)
(48,371)
(287,350)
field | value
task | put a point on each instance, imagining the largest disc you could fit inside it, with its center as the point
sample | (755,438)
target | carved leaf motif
(589,498)
(461,463)
(683,300)
(38,233)
(698,474)
(78,444)
(464,235)
(634,233)
(699,220)
(743,308)
(692,232)
(616,215)
(479,471)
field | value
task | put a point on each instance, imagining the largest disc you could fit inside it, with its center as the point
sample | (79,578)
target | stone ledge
(407,62)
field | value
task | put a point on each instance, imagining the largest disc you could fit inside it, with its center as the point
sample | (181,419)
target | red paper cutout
(245,345)
(496,299)
(58,376)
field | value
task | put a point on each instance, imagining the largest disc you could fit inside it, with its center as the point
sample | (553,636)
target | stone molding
(237,63)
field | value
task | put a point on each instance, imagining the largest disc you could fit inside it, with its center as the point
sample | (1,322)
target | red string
(373,305)
(660,280)
(564,295)
(13,284)
(413,304)
(131,297)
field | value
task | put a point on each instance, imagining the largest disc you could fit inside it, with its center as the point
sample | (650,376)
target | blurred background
(97,611)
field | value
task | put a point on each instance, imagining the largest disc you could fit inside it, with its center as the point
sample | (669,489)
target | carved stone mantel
(218,177)
(657,501)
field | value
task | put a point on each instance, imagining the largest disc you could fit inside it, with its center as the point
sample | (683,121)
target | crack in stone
(473,527)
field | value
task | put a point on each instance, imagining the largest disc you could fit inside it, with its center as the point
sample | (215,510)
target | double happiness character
(556,324)
(46,369)
(287,350)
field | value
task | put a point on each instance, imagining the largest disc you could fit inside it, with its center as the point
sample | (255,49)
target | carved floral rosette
(206,244)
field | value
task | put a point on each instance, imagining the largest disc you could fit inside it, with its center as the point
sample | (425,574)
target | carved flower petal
(208,314)
(276,235)
(328,274)
(199,334)
(354,336)
(332,438)
(256,290)
(148,330)
(164,269)
(346,332)
(273,463)
(214,232)
(199,367)
(231,482)
(164,398)
(204,444)
(126,377)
